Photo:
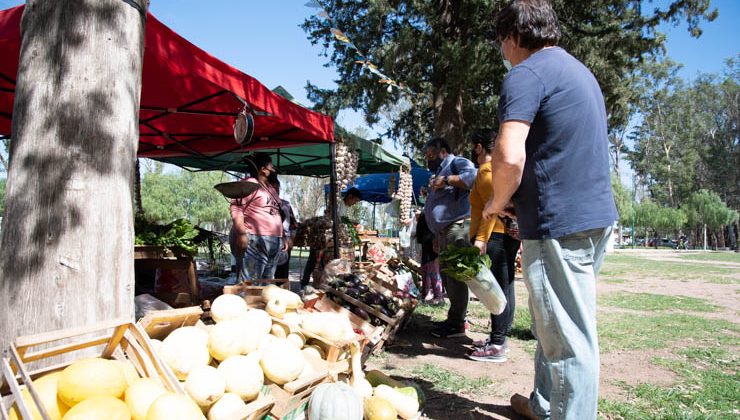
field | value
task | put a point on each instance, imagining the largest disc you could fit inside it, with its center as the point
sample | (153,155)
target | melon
(89,378)
(99,407)
(226,407)
(205,385)
(259,321)
(46,387)
(376,408)
(281,361)
(232,337)
(172,406)
(243,376)
(228,307)
(141,394)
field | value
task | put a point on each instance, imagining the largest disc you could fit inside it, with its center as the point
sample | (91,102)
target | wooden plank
(367,308)
(43,338)
(255,410)
(159,324)
(55,351)
(115,340)
(7,372)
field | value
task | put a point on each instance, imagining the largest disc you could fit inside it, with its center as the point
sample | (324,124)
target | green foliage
(660,219)
(445,380)
(463,263)
(707,207)
(183,194)
(445,53)
(632,266)
(177,236)
(624,200)
(713,256)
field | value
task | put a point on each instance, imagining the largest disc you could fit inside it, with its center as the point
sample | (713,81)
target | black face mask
(474,157)
(433,164)
(273,177)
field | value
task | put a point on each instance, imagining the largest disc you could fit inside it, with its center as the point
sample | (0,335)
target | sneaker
(479,344)
(520,405)
(490,353)
(446,330)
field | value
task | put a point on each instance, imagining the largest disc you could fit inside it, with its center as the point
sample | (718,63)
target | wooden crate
(119,339)
(291,397)
(159,324)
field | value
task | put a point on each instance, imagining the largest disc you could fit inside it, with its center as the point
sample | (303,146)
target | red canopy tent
(189,99)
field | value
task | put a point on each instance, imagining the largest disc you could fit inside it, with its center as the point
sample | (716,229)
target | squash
(332,326)
(232,337)
(292,300)
(128,370)
(141,394)
(281,361)
(228,307)
(185,348)
(276,307)
(406,406)
(226,407)
(174,406)
(377,408)
(205,385)
(298,339)
(330,401)
(376,377)
(314,351)
(358,381)
(243,376)
(279,331)
(89,378)
(258,320)
(99,407)
(46,387)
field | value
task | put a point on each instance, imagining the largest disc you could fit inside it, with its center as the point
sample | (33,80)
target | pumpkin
(89,378)
(281,361)
(226,407)
(205,385)
(332,401)
(243,376)
(228,307)
(174,406)
(377,408)
(99,407)
(141,394)
(46,387)
(406,406)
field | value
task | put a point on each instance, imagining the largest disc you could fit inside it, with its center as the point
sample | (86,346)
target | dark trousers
(310,265)
(283,271)
(457,291)
(502,250)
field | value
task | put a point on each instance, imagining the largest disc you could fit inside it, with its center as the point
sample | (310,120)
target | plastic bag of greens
(468,266)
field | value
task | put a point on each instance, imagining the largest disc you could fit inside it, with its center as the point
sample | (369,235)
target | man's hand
(438,183)
(482,246)
(491,210)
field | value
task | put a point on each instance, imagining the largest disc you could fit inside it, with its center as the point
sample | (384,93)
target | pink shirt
(261,211)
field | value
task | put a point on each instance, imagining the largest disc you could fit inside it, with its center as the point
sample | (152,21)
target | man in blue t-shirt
(447,213)
(551,171)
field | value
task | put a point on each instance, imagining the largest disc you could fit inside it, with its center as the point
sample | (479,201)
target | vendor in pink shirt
(257,233)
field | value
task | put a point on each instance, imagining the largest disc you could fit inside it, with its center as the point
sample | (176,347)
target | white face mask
(507,63)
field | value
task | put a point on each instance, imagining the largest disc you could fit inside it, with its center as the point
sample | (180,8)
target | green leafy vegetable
(463,263)
(177,236)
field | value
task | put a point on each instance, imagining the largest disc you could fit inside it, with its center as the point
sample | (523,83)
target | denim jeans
(561,278)
(260,258)
(455,234)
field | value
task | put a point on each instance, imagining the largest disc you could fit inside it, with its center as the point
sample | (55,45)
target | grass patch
(612,280)
(617,265)
(708,388)
(713,256)
(444,380)
(619,331)
(652,302)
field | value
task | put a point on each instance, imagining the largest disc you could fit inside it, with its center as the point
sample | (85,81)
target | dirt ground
(414,348)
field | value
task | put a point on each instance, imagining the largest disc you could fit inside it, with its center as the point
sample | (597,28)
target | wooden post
(66,258)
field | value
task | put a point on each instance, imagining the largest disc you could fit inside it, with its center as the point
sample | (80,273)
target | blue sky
(263,39)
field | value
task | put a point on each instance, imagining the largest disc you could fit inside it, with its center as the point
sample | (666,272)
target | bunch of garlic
(404,194)
(346,165)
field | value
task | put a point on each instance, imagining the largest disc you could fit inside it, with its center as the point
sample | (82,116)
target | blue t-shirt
(450,204)
(565,186)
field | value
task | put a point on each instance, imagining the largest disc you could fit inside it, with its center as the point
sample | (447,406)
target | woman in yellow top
(491,238)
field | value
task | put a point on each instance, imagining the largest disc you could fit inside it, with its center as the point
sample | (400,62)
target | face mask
(433,164)
(507,63)
(474,157)
(272,177)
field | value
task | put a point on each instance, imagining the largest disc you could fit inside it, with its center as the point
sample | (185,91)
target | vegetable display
(177,236)
(404,194)
(463,264)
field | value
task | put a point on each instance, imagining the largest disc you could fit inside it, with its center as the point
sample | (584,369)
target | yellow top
(481,229)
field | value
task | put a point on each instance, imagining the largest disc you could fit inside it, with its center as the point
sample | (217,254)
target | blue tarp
(374,187)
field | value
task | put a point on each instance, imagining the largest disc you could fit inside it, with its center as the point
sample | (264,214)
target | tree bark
(67,240)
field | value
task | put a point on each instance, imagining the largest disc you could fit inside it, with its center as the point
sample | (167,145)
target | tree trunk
(449,121)
(67,239)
